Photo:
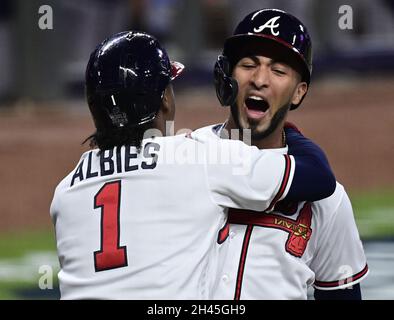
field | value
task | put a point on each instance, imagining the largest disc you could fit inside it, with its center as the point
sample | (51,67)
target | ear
(168,99)
(299,92)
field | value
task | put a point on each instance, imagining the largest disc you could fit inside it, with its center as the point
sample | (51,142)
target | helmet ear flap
(226,86)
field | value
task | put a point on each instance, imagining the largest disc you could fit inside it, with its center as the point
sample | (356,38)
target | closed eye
(279,68)
(249,62)
(248,66)
(279,71)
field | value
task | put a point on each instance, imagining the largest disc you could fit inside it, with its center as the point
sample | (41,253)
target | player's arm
(257,179)
(313,179)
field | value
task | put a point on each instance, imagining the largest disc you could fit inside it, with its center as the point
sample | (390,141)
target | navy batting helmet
(125,80)
(267,30)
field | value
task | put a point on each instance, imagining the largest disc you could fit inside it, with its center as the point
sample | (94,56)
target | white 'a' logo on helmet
(269,24)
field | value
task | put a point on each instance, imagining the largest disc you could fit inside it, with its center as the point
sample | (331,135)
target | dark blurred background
(42,65)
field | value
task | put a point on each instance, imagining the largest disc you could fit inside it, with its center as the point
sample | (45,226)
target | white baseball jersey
(145,225)
(277,255)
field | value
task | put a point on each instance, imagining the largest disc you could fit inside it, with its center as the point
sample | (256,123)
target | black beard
(276,120)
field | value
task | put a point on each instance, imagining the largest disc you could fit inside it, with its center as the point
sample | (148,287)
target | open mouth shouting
(256,107)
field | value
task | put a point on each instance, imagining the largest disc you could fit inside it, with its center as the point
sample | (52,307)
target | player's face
(266,89)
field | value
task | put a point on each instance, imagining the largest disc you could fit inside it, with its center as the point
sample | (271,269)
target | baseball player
(139,216)
(263,72)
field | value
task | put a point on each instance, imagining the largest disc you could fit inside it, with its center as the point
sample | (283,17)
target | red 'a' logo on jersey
(299,230)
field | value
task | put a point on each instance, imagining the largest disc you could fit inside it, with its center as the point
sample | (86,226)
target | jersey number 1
(110,255)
